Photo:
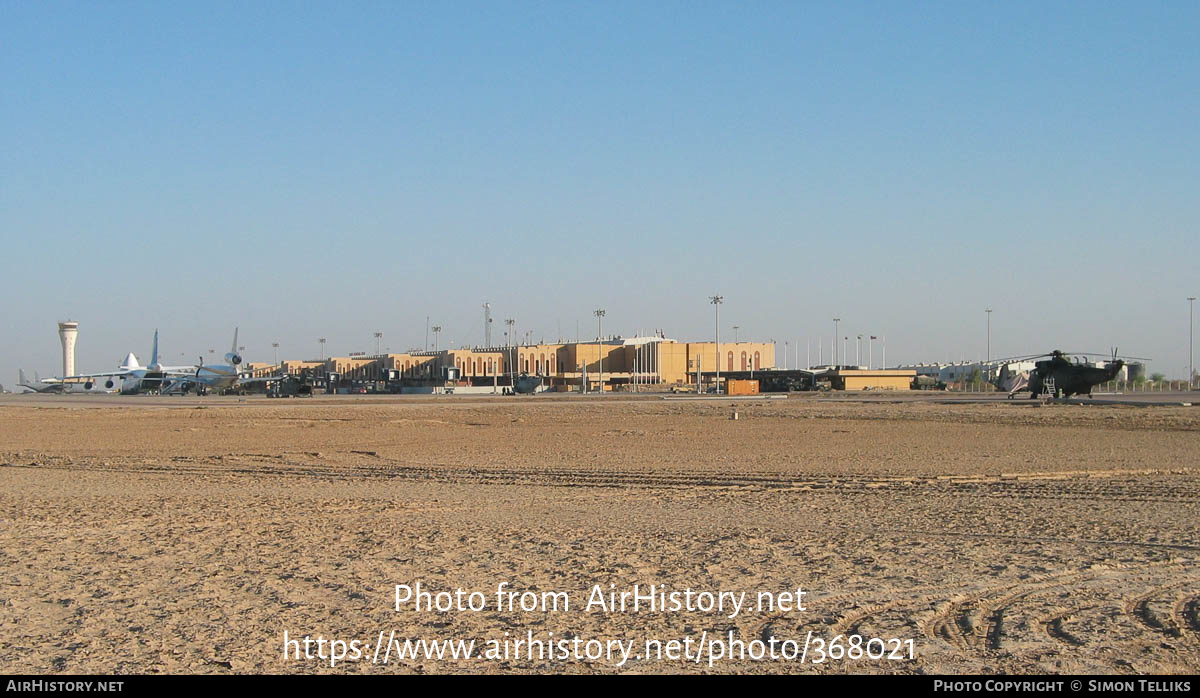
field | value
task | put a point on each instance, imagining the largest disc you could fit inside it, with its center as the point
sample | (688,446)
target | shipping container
(741,387)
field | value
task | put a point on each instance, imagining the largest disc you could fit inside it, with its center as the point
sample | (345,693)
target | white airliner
(156,378)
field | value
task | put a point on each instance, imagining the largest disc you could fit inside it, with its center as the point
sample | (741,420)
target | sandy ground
(997,537)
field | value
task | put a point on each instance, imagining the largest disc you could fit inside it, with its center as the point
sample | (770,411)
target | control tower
(67,331)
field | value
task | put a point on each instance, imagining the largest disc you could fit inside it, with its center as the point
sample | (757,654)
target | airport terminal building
(618,363)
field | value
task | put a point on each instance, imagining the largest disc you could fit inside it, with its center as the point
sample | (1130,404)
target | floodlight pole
(512,340)
(989,334)
(833,347)
(487,324)
(717,301)
(599,313)
(1191,324)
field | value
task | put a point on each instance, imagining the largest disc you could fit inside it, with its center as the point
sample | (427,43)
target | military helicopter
(1060,375)
(526,384)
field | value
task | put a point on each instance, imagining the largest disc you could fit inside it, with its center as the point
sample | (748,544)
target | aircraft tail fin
(130,363)
(233,349)
(22,380)
(154,351)
(36,377)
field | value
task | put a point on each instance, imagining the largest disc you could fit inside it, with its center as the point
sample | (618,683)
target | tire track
(1065,486)
(1187,613)
(1053,626)
(1170,624)
(764,627)
(976,622)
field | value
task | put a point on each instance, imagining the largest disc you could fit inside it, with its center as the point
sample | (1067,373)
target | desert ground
(187,535)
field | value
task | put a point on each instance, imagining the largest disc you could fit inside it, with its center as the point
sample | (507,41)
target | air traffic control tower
(67,331)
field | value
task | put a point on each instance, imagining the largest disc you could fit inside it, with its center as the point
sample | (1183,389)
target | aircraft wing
(180,370)
(121,372)
(107,374)
(173,371)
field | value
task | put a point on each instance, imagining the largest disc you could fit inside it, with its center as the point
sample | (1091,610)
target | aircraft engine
(233,359)
(88,385)
(108,384)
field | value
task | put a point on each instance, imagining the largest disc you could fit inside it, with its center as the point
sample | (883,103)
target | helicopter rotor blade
(1112,356)
(1012,359)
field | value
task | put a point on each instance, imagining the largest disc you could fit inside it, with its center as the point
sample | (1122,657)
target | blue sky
(336,169)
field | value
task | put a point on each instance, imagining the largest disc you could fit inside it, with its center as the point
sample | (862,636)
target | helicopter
(1060,375)
(526,384)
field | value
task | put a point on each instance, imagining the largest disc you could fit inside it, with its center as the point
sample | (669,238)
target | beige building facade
(623,362)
